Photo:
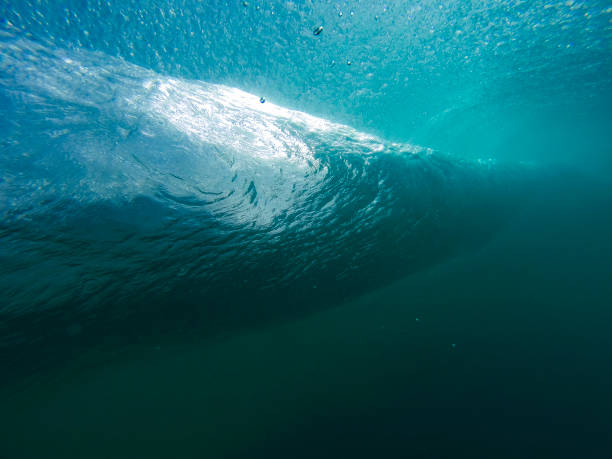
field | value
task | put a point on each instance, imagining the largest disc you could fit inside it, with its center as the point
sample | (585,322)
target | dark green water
(529,375)
(219,239)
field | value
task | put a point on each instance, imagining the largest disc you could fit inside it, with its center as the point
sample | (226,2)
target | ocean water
(243,229)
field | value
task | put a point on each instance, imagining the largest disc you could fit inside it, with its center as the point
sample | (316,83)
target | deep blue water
(225,235)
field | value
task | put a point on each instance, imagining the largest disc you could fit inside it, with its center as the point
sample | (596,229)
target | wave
(129,198)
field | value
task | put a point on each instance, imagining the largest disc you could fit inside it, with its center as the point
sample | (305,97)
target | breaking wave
(126,194)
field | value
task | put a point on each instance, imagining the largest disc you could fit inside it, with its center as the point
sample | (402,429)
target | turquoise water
(305,229)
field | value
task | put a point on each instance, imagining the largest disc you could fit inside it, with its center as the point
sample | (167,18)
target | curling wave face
(124,192)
